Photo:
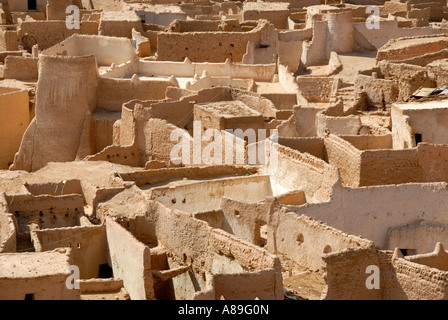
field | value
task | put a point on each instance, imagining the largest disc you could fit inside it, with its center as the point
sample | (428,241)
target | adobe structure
(206,150)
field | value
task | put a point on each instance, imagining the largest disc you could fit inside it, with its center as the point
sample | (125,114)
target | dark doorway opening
(105,271)
(32,4)
(418,138)
(408,252)
(29,296)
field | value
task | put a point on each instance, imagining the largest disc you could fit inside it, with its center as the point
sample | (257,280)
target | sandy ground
(354,62)
(303,286)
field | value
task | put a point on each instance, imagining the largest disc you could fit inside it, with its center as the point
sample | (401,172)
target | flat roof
(424,105)
(228,109)
(33,264)
(266,6)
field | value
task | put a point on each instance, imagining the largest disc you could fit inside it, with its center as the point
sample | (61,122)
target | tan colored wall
(21,68)
(191,241)
(243,219)
(305,241)
(56,9)
(46,211)
(49,286)
(112,93)
(186,68)
(305,120)
(204,196)
(390,30)
(14,107)
(52,136)
(142,178)
(313,146)
(337,124)
(7,233)
(107,50)
(394,51)
(88,246)
(429,122)
(225,45)
(379,91)
(346,158)
(346,275)
(418,238)
(49,33)
(390,166)
(371,211)
(301,171)
(130,260)
(398,277)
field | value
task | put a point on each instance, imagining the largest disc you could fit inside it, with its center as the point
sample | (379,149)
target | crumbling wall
(186,68)
(21,68)
(346,158)
(398,277)
(8,233)
(113,93)
(46,211)
(345,275)
(336,121)
(61,108)
(49,33)
(300,171)
(244,219)
(175,46)
(390,29)
(313,146)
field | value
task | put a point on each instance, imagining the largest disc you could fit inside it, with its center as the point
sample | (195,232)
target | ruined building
(207,150)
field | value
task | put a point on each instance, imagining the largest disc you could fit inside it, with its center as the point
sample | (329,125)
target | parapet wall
(107,50)
(301,171)
(370,218)
(174,46)
(49,33)
(380,165)
(8,233)
(186,68)
(21,68)
(305,241)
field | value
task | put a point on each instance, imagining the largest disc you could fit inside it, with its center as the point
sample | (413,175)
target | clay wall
(14,107)
(130,260)
(301,171)
(88,246)
(49,286)
(8,242)
(112,93)
(202,196)
(370,218)
(107,50)
(21,68)
(49,33)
